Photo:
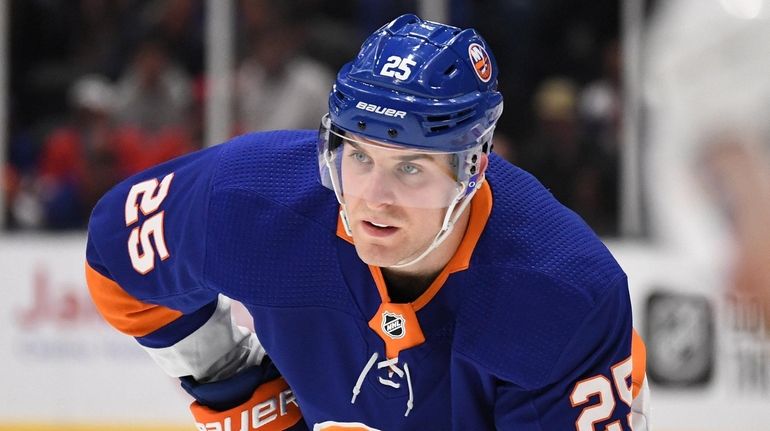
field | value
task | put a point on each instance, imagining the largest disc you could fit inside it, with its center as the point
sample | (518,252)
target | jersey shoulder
(274,163)
(143,233)
(529,229)
(538,275)
(276,170)
(151,232)
(272,225)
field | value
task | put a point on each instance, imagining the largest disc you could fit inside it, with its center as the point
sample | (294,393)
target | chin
(377,255)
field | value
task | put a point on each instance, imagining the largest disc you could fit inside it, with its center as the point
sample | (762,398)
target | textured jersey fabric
(516,341)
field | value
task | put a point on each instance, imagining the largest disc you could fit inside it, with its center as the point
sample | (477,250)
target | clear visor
(358,168)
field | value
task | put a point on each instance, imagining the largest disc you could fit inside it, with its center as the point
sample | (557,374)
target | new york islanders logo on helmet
(481,62)
(393,324)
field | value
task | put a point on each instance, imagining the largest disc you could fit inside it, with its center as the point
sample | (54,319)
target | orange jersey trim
(481,208)
(121,310)
(342,426)
(639,360)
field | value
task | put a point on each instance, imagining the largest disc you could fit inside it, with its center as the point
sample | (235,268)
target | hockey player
(422,284)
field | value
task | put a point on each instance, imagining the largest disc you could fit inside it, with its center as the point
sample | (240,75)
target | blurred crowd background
(100,89)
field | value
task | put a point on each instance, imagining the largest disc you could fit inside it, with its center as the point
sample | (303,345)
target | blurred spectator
(179,24)
(73,136)
(278,87)
(80,160)
(155,92)
(138,149)
(575,169)
(23,207)
(708,145)
(504,147)
(600,105)
(99,36)
(553,151)
(77,163)
(155,110)
(737,176)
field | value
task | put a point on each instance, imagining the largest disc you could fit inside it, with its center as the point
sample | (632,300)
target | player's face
(396,199)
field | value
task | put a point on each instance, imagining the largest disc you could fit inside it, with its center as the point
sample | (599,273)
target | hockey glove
(233,404)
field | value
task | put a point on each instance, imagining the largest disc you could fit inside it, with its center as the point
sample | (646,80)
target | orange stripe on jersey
(639,359)
(481,208)
(121,310)
(379,281)
(342,426)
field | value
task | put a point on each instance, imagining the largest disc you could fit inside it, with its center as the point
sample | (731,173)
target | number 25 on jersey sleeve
(601,386)
(147,238)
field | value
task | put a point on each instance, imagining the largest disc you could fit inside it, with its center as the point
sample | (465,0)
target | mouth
(378,229)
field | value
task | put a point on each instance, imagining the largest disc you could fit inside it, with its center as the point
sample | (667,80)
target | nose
(377,189)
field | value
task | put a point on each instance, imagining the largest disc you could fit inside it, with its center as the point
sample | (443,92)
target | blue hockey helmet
(419,84)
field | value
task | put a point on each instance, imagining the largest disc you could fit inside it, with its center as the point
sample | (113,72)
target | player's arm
(144,269)
(597,383)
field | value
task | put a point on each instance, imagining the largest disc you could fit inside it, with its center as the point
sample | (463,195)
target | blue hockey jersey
(527,328)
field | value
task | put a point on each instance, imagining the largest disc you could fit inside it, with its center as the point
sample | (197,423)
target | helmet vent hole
(439,128)
(438,117)
(450,71)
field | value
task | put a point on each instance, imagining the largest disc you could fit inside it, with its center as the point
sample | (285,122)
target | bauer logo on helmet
(390,112)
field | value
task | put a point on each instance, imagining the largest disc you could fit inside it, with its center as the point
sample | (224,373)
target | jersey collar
(481,208)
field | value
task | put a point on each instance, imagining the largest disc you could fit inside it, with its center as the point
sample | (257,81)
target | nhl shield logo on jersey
(481,62)
(390,321)
(393,324)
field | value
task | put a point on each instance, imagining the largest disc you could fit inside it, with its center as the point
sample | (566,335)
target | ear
(483,163)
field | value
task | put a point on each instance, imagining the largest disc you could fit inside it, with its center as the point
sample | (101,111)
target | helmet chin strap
(453,213)
(329,160)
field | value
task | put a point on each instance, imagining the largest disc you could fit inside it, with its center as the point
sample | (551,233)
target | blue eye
(359,157)
(409,169)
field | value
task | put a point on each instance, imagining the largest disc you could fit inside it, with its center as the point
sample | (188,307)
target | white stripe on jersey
(215,351)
